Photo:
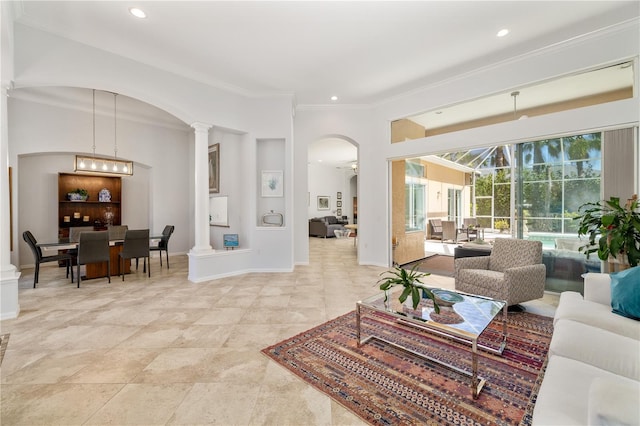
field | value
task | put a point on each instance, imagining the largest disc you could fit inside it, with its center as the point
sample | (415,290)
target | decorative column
(9,306)
(202,244)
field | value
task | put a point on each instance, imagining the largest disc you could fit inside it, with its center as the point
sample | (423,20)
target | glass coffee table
(463,317)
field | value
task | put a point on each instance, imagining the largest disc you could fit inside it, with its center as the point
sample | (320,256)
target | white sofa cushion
(572,306)
(597,288)
(565,389)
(613,403)
(597,347)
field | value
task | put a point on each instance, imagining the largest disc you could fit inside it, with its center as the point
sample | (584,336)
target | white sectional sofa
(593,374)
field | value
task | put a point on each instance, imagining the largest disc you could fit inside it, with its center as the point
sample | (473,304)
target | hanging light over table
(110,166)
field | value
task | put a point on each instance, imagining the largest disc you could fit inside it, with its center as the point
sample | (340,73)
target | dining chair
(75,231)
(74,237)
(136,245)
(163,245)
(116,232)
(93,247)
(39,258)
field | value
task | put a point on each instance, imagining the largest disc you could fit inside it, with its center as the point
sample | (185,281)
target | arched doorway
(332,169)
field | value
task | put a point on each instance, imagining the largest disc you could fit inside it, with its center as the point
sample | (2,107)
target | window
(558,176)
(415,197)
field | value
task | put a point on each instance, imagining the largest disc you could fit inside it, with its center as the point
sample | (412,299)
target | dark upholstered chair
(74,237)
(136,245)
(163,245)
(116,232)
(75,231)
(325,227)
(39,258)
(93,247)
(513,272)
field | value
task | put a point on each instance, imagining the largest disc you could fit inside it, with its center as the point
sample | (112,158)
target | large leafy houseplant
(410,280)
(618,228)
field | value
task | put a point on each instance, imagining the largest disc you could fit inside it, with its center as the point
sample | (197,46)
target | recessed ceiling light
(334,98)
(503,32)
(138,13)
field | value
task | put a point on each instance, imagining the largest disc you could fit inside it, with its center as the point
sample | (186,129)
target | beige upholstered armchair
(513,272)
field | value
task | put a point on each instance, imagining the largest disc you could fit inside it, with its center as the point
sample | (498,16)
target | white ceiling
(364,52)
(334,152)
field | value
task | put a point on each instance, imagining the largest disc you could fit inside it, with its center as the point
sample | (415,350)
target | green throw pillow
(625,292)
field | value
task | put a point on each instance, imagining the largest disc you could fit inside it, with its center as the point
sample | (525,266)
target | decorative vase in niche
(108,216)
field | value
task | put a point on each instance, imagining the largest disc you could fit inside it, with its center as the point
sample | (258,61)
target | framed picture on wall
(272,185)
(339,212)
(323,202)
(214,168)
(339,196)
(338,203)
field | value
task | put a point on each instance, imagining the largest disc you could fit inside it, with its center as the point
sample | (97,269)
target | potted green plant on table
(618,228)
(410,280)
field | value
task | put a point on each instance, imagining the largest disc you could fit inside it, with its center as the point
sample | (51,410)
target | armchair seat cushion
(483,278)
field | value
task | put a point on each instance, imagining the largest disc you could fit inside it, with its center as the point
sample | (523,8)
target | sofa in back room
(324,226)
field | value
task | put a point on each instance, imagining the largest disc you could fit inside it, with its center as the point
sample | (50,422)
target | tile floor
(164,351)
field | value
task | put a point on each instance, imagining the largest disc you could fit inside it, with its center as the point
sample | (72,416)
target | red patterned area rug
(388,386)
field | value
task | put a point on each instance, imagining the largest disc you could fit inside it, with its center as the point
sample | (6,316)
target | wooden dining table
(94,270)
(97,270)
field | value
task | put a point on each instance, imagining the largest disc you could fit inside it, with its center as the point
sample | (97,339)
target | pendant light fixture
(514,95)
(89,164)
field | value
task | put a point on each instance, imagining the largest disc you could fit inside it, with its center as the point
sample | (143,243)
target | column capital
(202,127)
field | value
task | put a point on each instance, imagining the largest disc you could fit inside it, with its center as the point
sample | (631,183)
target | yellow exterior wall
(404,129)
(410,246)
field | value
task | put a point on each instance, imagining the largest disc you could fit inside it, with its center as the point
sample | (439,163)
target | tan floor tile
(181,365)
(62,404)
(217,404)
(115,366)
(142,404)
(167,351)
(54,367)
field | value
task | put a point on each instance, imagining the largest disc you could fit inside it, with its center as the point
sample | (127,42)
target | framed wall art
(214,168)
(272,183)
(339,196)
(323,202)
(339,212)
(338,203)
(230,241)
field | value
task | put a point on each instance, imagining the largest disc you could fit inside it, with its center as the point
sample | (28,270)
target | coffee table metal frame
(376,303)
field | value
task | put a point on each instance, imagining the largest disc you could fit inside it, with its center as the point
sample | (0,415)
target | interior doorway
(332,185)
